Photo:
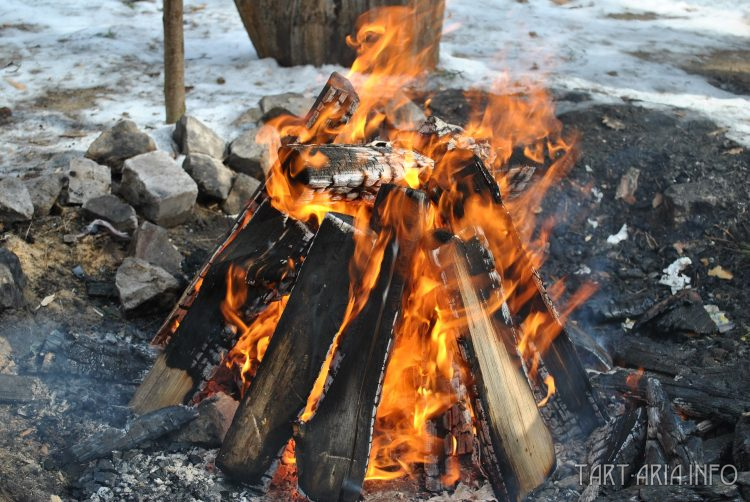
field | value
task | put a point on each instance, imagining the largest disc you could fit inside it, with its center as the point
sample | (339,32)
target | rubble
(15,201)
(193,136)
(144,287)
(290,103)
(123,141)
(12,281)
(215,415)
(214,179)
(248,157)
(151,243)
(85,179)
(159,188)
(243,189)
(112,209)
(44,191)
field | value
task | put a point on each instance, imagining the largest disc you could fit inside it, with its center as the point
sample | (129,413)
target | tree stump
(314,31)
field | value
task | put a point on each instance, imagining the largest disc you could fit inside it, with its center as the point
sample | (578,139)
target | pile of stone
(125,184)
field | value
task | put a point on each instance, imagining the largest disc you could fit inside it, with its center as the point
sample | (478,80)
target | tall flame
(506,129)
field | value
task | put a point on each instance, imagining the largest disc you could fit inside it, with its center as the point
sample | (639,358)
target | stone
(193,136)
(144,287)
(215,415)
(156,185)
(249,157)
(12,281)
(249,117)
(151,243)
(123,141)
(214,179)
(44,191)
(85,179)
(110,208)
(688,199)
(287,103)
(15,201)
(243,189)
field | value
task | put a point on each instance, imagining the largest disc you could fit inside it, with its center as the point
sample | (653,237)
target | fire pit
(375,306)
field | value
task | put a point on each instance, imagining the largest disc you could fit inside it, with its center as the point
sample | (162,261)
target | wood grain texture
(264,420)
(296,32)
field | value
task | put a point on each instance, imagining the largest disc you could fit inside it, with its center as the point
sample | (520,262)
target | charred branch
(332,109)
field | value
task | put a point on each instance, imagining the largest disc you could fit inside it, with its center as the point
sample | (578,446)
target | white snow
(620,236)
(673,276)
(114,48)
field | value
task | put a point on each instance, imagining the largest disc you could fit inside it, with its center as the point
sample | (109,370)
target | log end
(163,386)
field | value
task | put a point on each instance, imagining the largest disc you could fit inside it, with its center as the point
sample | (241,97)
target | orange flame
(505,129)
(249,350)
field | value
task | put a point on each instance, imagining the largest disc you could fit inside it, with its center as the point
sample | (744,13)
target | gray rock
(144,287)
(242,191)
(214,179)
(15,201)
(193,136)
(249,117)
(215,415)
(44,191)
(156,185)
(689,199)
(286,103)
(151,243)
(85,179)
(12,281)
(247,156)
(109,207)
(123,141)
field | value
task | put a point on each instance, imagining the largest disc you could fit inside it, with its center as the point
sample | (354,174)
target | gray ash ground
(86,386)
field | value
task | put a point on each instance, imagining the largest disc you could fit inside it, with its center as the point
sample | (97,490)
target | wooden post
(174,61)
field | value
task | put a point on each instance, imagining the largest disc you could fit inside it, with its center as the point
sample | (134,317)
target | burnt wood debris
(513,445)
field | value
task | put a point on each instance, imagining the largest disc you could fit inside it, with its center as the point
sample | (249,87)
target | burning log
(577,406)
(333,447)
(333,108)
(263,423)
(264,245)
(518,452)
(346,171)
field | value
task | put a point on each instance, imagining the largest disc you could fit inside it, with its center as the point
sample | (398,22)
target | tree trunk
(315,31)
(174,61)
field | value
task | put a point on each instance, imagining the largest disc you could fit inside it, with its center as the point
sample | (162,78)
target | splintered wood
(519,453)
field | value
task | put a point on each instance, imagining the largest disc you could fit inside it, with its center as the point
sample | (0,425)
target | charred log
(577,404)
(263,423)
(518,452)
(333,108)
(333,446)
(346,171)
(264,247)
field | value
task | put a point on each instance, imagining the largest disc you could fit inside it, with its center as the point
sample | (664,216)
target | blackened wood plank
(333,447)
(264,247)
(285,377)
(332,109)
